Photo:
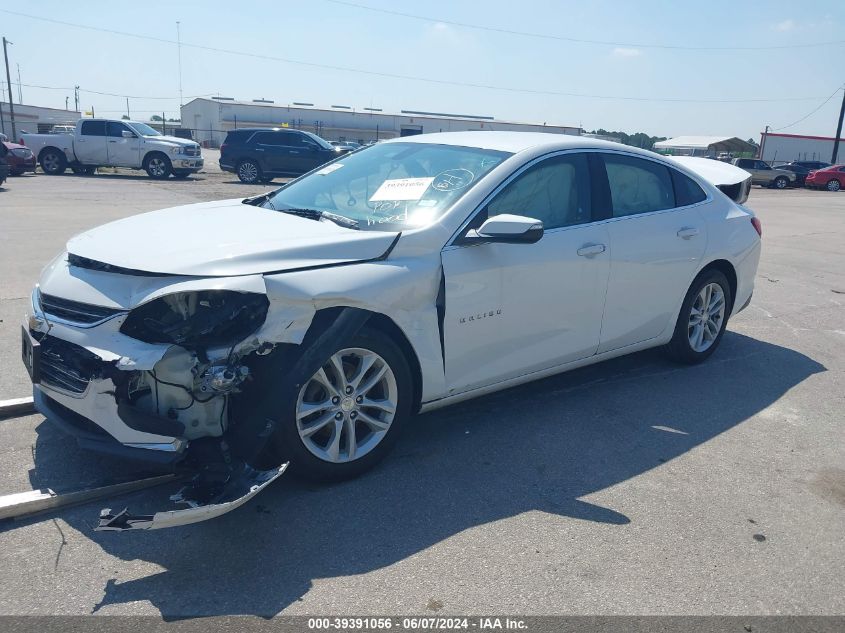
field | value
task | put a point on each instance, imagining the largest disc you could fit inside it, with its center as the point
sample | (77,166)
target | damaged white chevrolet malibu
(307,325)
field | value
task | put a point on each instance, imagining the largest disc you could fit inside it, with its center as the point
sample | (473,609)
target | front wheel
(781,182)
(346,417)
(53,162)
(833,185)
(703,318)
(158,166)
(249,172)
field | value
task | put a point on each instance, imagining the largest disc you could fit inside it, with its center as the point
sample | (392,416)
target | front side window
(113,128)
(555,191)
(638,185)
(93,128)
(390,186)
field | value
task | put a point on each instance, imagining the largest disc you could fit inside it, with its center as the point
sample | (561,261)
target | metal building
(784,148)
(34,119)
(210,120)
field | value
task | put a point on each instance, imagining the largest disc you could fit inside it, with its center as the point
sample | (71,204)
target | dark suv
(261,154)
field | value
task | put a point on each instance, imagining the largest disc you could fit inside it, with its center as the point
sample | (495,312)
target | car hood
(226,238)
(175,140)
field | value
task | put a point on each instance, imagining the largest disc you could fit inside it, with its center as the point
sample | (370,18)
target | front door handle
(688,232)
(591,250)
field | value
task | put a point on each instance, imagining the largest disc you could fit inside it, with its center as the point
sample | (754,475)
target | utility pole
(179,57)
(66,100)
(76,98)
(128,116)
(838,131)
(20,92)
(763,138)
(9,83)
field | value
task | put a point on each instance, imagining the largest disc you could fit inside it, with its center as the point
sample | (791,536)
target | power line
(110,94)
(778,129)
(576,40)
(373,73)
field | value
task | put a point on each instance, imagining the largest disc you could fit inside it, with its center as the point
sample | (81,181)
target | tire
(683,347)
(833,185)
(249,172)
(309,454)
(53,162)
(181,173)
(781,182)
(157,166)
(267,179)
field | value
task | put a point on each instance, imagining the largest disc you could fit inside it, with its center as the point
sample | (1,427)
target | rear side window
(270,138)
(745,162)
(638,185)
(236,137)
(93,128)
(687,190)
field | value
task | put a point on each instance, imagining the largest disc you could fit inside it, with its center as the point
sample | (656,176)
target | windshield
(319,141)
(144,130)
(390,186)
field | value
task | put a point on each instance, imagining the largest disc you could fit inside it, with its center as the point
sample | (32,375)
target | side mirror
(508,229)
(128,134)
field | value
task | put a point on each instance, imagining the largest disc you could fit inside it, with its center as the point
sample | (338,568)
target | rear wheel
(833,185)
(703,318)
(157,166)
(53,162)
(346,417)
(781,182)
(249,172)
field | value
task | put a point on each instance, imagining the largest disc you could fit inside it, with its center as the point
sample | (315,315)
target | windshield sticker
(453,179)
(402,189)
(325,171)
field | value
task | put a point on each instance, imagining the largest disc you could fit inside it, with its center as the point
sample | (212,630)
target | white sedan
(307,325)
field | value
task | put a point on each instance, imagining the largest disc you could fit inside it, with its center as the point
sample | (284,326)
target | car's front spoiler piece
(205,501)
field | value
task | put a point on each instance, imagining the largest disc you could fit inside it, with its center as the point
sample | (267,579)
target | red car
(831,178)
(20,158)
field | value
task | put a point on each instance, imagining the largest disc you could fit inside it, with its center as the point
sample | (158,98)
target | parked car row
(813,174)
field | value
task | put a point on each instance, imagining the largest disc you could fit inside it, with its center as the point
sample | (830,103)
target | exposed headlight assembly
(207,318)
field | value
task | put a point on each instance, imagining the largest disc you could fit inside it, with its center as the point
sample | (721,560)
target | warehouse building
(212,118)
(705,146)
(34,119)
(785,148)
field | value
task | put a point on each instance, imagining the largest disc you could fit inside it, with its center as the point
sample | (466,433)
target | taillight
(223,148)
(755,222)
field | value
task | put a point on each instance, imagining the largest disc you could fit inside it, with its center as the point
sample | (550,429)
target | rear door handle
(591,250)
(688,232)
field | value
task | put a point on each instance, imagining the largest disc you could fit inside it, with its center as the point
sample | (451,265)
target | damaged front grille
(75,312)
(66,366)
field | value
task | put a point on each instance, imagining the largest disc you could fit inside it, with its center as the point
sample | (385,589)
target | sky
(651,70)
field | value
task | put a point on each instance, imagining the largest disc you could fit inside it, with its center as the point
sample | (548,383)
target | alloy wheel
(706,317)
(347,407)
(248,172)
(157,167)
(50,162)
(833,185)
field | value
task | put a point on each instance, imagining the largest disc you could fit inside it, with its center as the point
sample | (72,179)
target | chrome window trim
(450,243)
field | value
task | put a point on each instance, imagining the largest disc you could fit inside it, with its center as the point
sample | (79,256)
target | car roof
(514,142)
(264,129)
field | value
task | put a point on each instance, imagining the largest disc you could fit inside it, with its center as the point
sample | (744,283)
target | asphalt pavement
(632,487)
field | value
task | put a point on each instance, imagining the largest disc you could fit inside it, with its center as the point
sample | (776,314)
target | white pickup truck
(103,142)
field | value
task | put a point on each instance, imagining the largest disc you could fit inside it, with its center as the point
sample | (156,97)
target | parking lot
(630,487)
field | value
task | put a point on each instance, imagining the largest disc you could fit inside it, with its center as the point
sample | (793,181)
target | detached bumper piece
(205,500)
